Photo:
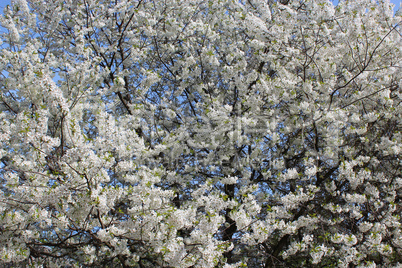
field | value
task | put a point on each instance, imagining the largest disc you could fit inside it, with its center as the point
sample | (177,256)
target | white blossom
(200,133)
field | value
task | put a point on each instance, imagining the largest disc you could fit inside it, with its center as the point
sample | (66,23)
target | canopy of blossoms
(226,133)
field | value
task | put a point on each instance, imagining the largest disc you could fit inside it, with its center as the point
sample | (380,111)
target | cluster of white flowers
(200,134)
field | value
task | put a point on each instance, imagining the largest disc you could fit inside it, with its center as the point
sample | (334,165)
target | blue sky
(3,3)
